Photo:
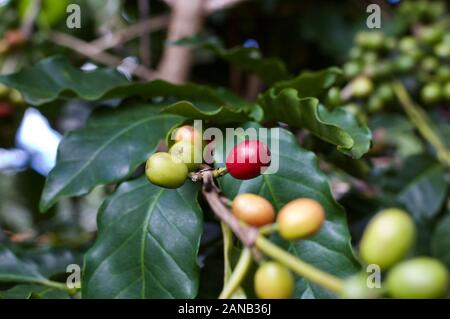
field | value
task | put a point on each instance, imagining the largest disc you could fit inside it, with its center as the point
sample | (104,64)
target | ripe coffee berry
(253,209)
(300,218)
(273,281)
(248,159)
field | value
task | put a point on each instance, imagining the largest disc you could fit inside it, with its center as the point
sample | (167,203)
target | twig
(238,275)
(421,121)
(112,40)
(30,18)
(144,45)
(212,195)
(227,235)
(92,52)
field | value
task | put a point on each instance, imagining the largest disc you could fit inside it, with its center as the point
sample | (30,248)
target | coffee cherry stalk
(386,240)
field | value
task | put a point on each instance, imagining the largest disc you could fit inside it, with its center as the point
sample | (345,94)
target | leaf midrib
(143,238)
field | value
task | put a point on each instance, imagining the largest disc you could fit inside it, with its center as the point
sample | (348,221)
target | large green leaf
(338,126)
(299,176)
(425,194)
(440,244)
(313,84)
(419,184)
(24,291)
(111,146)
(147,244)
(270,70)
(207,112)
(12,269)
(54,78)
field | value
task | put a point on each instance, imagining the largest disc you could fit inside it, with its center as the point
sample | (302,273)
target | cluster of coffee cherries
(170,169)
(421,55)
(386,241)
(9,98)
(298,219)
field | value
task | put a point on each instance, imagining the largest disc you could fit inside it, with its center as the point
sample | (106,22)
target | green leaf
(207,112)
(33,292)
(299,176)
(440,243)
(270,70)
(337,127)
(51,261)
(55,78)
(147,244)
(12,269)
(311,84)
(110,148)
(424,187)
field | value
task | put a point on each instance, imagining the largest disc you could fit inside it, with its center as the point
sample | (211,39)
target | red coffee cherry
(248,159)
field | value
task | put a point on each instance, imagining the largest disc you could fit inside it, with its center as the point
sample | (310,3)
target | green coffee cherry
(356,287)
(334,96)
(430,64)
(446,91)
(418,278)
(273,281)
(361,87)
(431,34)
(431,93)
(4,90)
(379,70)
(387,238)
(369,58)
(355,53)
(408,44)
(443,73)
(442,50)
(161,170)
(352,69)
(375,104)
(385,92)
(404,63)
(373,40)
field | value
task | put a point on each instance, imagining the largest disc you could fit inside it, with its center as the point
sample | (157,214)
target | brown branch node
(217,201)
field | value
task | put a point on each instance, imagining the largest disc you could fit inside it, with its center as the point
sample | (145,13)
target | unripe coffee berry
(418,278)
(161,170)
(248,159)
(361,87)
(273,281)
(431,93)
(300,218)
(387,238)
(253,209)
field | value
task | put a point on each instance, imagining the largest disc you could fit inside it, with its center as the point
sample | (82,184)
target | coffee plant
(344,196)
